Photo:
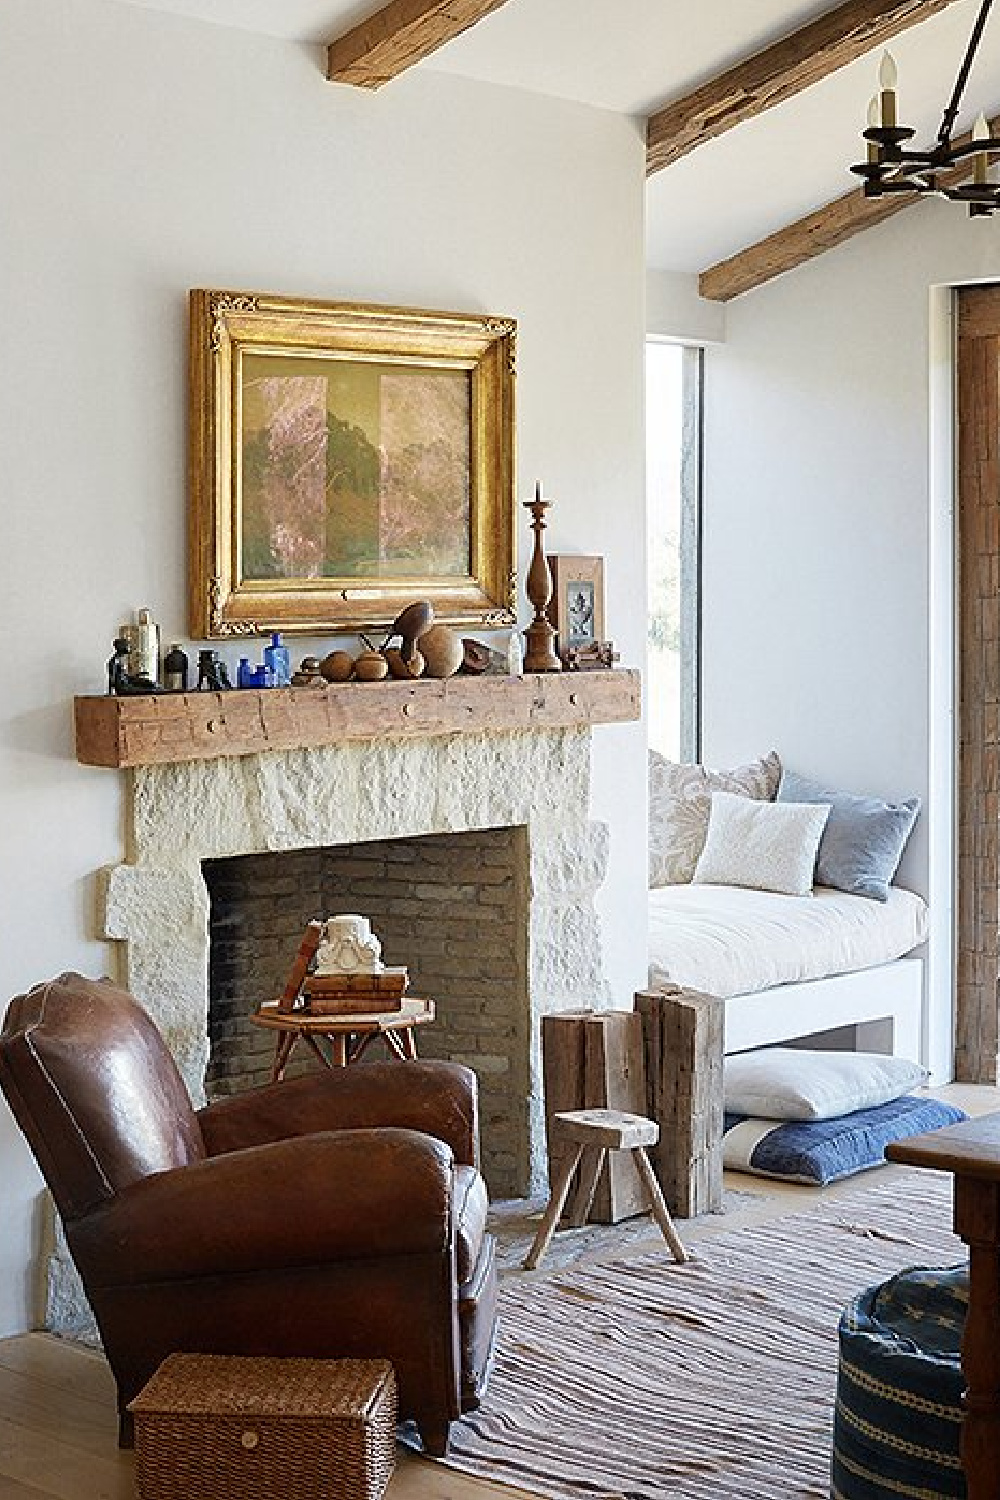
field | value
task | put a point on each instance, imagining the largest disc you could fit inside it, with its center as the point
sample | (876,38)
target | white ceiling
(631,55)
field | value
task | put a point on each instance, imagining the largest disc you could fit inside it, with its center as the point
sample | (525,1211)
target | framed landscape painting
(345,461)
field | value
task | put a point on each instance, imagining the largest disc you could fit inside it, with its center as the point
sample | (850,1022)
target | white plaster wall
(819,511)
(144,154)
(675,310)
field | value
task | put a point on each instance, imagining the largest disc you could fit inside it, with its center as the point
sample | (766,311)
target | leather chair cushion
(469,1205)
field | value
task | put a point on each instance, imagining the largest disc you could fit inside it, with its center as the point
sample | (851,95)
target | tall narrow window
(673,510)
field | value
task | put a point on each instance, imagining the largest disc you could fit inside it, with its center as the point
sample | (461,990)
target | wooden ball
(338,666)
(371,666)
(442,651)
(398,667)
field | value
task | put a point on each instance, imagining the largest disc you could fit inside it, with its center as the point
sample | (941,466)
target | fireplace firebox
(452,907)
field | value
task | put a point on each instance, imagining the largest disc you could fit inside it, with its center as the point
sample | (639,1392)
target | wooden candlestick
(540,634)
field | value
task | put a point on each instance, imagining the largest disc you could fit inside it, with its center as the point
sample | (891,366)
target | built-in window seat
(791,966)
(775,894)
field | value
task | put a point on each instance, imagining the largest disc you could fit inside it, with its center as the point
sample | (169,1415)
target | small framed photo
(576,608)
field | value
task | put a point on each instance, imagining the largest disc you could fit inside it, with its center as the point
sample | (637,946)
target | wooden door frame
(977,1024)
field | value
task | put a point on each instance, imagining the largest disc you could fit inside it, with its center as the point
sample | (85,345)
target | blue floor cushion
(820,1151)
(899,1387)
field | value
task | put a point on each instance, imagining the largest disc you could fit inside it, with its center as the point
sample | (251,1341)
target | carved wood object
(540,634)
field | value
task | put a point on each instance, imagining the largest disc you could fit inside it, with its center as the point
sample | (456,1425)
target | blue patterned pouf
(899,1389)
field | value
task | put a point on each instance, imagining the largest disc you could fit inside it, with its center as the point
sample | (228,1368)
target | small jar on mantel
(175,669)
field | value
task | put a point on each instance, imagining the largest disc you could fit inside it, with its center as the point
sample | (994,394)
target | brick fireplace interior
(452,907)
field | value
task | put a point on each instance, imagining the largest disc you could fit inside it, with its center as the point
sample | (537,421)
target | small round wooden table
(347,1037)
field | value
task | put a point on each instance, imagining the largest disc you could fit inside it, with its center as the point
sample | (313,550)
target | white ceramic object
(348,946)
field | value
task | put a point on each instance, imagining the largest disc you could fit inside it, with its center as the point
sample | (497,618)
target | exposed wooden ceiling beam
(402,33)
(780,71)
(817,232)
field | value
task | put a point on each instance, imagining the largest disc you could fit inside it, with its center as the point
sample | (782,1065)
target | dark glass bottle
(175,670)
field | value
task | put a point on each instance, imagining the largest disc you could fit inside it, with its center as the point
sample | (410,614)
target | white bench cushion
(731,941)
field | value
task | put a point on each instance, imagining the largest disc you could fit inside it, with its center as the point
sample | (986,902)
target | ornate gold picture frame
(346,460)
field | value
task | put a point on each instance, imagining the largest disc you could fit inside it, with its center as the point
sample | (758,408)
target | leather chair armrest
(439,1098)
(303,1202)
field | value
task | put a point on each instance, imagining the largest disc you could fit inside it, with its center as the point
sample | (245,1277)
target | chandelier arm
(986,143)
(954,104)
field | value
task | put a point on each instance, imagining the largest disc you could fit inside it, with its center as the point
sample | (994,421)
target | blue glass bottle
(278,660)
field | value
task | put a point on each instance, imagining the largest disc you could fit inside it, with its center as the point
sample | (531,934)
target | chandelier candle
(888,75)
(945,168)
(874,119)
(981,132)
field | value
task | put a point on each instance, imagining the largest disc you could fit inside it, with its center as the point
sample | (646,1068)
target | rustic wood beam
(819,231)
(777,73)
(402,33)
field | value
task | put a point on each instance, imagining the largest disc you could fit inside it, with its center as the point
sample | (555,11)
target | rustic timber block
(595,1060)
(169,727)
(562,1079)
(684,1039)
(615,1078)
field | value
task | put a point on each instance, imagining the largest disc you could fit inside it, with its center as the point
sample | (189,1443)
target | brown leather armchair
(338,1214)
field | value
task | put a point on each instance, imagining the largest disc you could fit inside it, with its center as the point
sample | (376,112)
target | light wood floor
(58,1427)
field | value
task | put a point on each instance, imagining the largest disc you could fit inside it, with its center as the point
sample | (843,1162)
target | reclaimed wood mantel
(159,729)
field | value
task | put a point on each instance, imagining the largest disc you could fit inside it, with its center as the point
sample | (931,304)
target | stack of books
(357,992)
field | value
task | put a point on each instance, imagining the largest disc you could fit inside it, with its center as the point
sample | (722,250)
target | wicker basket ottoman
(209,1426)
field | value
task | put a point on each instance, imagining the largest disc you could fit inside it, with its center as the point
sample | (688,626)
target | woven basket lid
(238,1385)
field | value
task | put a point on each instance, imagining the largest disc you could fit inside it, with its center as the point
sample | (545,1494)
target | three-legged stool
(596,1132)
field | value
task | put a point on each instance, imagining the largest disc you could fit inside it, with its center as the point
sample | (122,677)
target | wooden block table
(598,1131)
(684,1032)
(347,1037)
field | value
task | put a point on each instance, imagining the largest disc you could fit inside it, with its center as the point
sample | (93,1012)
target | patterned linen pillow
(680,799)
(764,846)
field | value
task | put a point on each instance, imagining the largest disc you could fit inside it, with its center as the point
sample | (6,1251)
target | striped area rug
(637,1379)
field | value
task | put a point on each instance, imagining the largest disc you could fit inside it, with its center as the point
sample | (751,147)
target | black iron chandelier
(890,168)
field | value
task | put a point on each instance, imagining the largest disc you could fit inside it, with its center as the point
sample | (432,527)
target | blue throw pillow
(820,1151)
(863,840)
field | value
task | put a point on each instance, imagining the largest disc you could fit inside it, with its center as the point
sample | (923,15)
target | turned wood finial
(540,634)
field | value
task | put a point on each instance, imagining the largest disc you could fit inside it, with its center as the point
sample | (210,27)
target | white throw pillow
(767,846)
(679,801)
(793,1083)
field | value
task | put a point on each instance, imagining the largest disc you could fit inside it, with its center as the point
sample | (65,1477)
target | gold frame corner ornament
(225,324)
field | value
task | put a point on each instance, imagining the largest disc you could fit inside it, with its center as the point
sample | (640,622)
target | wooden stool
(347,1037)
(598,1131)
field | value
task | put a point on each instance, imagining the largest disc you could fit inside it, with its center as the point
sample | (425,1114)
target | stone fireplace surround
(180,814)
